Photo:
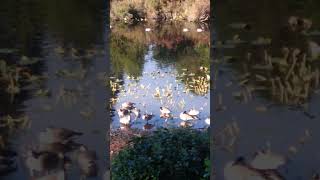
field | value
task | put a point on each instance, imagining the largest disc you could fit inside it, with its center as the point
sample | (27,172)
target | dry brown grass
(191,10)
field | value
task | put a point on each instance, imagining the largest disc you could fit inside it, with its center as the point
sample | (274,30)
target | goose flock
(128,114)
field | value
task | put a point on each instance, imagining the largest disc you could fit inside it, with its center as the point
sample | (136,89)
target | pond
(261,100)
(57,63)
(166,66)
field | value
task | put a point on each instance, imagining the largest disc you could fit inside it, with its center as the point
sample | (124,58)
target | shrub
(166,154)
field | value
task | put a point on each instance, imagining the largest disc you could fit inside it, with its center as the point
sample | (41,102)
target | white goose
(147,117)
(207,121)
(127,105)
(123,112)
(126,120)
(193,112)
(136,112)
(185,116)
(165,110)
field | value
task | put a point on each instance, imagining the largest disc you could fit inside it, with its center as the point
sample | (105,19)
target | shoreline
(136,11)
(120,139)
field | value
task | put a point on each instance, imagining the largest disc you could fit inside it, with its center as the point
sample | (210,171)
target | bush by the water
(135,10)
(165,154)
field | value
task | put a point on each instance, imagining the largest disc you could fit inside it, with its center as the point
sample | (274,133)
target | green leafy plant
(207,164)
(165,154)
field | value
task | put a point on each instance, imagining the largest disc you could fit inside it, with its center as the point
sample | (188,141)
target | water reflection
(164,67)
(51,69)
(267,86)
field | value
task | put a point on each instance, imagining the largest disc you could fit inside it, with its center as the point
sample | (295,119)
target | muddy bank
(121,138)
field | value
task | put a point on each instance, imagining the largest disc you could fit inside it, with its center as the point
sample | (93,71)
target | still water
(165,67)
(251,113)
(59,46)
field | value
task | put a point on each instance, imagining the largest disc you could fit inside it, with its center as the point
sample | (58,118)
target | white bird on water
(127,105)
(147,117)
(193,112)
(126,120)
(148,29)
(165,110)
(207,121)
(185,30)
(123,112)
(185,116)
(136,112)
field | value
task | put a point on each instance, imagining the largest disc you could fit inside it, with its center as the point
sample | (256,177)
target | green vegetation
(164,10)
(166,154)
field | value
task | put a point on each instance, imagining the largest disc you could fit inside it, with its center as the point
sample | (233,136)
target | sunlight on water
(173,94)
